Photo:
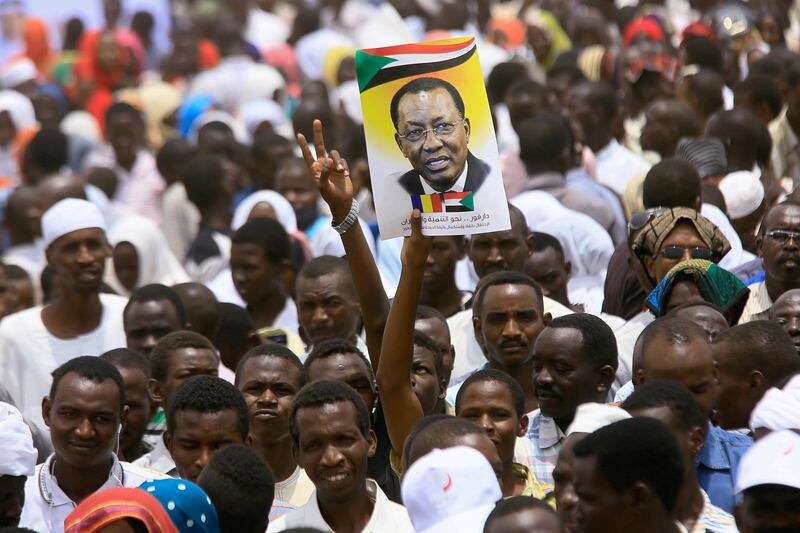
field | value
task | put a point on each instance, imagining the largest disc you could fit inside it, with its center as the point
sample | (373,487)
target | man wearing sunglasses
(778,245)
(432,132)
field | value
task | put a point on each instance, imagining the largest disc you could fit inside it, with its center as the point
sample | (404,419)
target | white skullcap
(589,417)
(773,460)
(68,215)
(743,193)
(16,72)
(778,409)
(18,456)
(453,490)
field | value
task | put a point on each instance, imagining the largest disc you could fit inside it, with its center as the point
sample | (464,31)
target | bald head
(57,188)
(678,350)
(201,307)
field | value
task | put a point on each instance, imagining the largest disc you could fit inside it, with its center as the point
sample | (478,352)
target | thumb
(416,223)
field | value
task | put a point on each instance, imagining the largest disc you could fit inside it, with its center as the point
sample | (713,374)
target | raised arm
(400,405)
(332,175)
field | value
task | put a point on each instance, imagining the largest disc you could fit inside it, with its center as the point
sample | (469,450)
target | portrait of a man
(432,131)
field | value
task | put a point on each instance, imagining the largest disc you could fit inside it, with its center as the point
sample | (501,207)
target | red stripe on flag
(455,195)
(436,202)
(419,48)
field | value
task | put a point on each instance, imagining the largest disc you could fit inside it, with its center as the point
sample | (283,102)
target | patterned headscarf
(189,508)
(717,286)
(651,237)
(108,506)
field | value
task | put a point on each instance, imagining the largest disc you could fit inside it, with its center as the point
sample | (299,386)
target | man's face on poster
(433,136)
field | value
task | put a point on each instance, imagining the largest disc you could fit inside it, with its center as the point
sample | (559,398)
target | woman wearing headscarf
(17,126)
(107,508)
(141,256)
(189,508)
(699,279)
(546,36)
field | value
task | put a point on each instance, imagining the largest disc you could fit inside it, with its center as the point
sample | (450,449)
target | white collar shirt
(458,186)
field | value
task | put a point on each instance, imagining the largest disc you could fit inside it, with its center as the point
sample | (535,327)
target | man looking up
(327,303)
(259,257)
(205,415)
(176,358)
(331,438)
(85,411)
(269,377)
(135,371)
(678,350)
(673,404)
(593,107)
(17,463)
(751,358)
(548,267)
(574,362)
(628,477)
(79,320)
(779,246)
(152,312)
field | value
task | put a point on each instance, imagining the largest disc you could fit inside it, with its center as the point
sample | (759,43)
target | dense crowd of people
(202,329)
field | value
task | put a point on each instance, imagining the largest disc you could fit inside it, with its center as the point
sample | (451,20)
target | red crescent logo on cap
(789,450)
(448,485)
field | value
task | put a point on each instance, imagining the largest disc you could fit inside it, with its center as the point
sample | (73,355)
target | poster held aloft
(430,139)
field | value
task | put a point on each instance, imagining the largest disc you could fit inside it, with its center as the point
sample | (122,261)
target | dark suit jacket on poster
(477,171)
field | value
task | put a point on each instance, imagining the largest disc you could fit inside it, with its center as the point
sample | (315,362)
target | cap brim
(470,521)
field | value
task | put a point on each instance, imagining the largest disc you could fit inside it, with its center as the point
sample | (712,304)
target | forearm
(369,288)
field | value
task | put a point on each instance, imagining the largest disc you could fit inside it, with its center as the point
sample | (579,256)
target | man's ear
(477,329)
(697,439)
(756,382)
(442,389)
(123,416)
(46,407)
(546,319)
(168,439)
(606,377)
(249,441)
(529,242)
(522,426)
(641,495)
(156,391)
(568,269)
(759,246)
(467,128)
(639,378)
(372,440)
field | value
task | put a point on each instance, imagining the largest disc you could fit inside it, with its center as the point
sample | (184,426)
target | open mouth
(436,164)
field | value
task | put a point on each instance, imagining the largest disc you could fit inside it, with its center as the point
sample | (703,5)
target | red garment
(646,26)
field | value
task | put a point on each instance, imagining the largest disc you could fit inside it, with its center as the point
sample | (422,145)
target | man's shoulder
(113,301)
(298,517)
(136,474)
(410,181)
(19,323)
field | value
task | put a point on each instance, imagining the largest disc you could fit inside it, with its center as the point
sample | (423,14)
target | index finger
(301,140)
(319,141)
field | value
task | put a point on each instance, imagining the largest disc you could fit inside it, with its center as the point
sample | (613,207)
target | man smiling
(433,132)
(332,440)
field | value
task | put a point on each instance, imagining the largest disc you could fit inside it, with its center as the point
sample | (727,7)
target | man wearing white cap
(17,462)
(453,490)
(768,485)
(745,201)
(79,320)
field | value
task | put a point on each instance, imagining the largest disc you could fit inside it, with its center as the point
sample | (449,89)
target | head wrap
(18,457)
(648,27)
(589,417)
(559,40)
(778,408)
(82,124)
(707,154)
(717,286)
(193,107)
(254,112)
(333,60)
(157,263)
(650,238)
(68,215)
(111,505)
(283,209)
(20,109)
(186,504)
(17,71)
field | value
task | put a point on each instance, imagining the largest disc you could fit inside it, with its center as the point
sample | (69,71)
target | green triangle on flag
(468,202)
(368,65)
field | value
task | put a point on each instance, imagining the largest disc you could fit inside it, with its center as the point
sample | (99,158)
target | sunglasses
(676,253)
(782,235)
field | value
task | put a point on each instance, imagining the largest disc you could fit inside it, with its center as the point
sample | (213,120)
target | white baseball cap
(773,460)
(451,490)
(589,417)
